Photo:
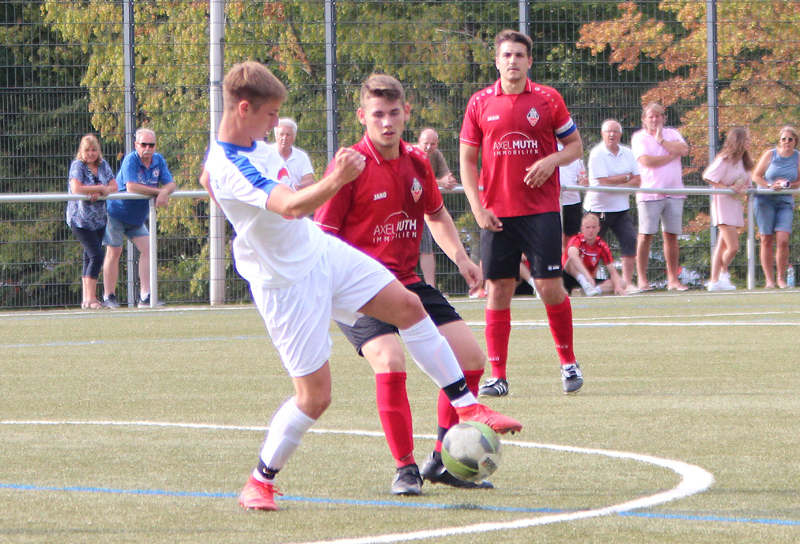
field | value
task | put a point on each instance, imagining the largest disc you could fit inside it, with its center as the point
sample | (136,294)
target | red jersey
(591,255)
(381,212)
(513,132)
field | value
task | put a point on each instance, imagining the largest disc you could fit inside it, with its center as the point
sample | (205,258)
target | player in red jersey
(584,253)
(381,212)
(513,127)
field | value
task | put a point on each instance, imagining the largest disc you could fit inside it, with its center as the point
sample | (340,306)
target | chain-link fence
(62,74)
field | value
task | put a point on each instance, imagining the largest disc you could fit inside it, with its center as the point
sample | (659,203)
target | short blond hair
(658,107)
(253,82)
(590,217)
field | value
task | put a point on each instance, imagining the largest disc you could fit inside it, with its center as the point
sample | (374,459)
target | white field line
(693,480)
(596,323)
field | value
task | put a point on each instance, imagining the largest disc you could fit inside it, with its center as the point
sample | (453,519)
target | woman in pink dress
(730,170)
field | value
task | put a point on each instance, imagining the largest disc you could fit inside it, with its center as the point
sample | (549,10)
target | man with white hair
(612,164)
(144,172)
(301,172)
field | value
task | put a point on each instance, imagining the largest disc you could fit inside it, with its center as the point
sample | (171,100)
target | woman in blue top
(777,170)
(89,174)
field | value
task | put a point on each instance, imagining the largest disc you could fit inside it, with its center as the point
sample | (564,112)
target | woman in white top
(729,170)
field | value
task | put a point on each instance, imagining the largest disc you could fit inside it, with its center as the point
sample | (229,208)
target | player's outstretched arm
(445,233)
(348,164)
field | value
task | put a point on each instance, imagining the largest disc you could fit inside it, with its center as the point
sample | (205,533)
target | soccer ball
(471,451)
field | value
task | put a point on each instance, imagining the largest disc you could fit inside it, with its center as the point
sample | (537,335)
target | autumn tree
(757,65)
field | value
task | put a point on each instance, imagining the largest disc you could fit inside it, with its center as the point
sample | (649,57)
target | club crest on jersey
(416,190)
(533,117)
(283,176)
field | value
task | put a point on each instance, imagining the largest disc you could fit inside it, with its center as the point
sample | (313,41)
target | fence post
(153,244)
(216,235)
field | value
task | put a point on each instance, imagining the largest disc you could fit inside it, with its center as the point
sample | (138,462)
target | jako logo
(493,118)
(380,196)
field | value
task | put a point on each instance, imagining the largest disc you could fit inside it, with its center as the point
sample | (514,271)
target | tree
(758,67)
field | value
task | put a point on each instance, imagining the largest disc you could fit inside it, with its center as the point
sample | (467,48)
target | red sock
(447,416)
(497,334)
(560,318)
(395,415)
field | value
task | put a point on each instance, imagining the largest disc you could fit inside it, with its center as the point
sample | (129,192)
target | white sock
(431,352)
(532,283)
(285,434)
(143,296)
(586,284)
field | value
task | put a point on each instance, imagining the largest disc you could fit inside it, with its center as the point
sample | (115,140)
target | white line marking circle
(693,480)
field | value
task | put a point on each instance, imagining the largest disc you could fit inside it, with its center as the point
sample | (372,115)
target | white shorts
(298,318)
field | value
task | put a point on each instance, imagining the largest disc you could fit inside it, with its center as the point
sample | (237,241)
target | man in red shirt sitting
(583,255)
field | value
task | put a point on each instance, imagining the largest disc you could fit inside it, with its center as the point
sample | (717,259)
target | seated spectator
(583,255)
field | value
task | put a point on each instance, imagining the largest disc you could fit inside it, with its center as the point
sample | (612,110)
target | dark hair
(513,36)
(382,86)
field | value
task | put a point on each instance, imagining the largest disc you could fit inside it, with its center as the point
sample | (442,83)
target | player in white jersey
(301,278)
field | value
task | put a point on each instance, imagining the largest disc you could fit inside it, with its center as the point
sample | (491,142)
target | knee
(387,360)
(475,359)
(314,405)
(409,311)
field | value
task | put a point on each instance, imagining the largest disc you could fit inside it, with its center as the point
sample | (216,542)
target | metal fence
(63,73)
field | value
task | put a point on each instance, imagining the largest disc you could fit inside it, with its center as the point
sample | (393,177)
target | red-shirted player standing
(513,127)
(381,212)
(582,256)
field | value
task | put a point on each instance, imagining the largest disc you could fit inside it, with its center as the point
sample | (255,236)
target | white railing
(219,241)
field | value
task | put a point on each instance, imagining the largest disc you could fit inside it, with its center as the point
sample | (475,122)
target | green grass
(706,379)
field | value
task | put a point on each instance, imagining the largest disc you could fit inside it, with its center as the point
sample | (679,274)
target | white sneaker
(598,290)
(725,280)
(716,286)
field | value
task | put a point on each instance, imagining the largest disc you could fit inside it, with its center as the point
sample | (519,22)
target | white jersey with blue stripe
(269,250)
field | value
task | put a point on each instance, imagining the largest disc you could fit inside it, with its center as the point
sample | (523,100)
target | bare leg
(730,240)
(142,243)
(768,259)
(672,257)
(111,270)
(628,264)
(782,256)
(643,244)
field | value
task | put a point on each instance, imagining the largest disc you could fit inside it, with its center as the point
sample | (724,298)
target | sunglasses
(146,144)
(787,139)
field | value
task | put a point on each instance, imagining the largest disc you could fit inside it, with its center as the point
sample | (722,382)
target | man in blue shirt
(143,172)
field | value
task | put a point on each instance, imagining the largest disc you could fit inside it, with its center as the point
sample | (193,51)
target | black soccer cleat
(494,387)
(571,378)
(435,472)
(407,481)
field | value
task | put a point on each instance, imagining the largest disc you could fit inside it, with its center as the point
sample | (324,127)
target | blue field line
(397,504)
(725,519)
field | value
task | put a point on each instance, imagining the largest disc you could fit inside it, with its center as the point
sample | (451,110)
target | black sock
(265,471)
(456,390)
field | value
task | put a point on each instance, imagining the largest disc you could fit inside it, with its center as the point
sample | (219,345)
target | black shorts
(366,328)
(570,282)
(571,217)
(621,224)
(538,237)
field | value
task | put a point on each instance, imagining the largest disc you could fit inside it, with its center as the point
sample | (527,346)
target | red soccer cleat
(483,414)
(258,495)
